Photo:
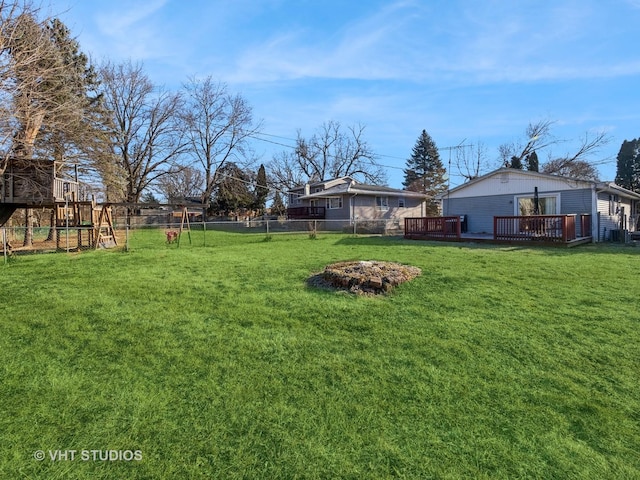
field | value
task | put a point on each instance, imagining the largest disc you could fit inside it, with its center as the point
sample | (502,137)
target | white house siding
(609,220)
(515,183)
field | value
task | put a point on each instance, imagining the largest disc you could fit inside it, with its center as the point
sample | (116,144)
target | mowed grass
(219,362)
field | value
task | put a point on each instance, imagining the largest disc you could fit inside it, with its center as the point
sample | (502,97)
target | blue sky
(464,70)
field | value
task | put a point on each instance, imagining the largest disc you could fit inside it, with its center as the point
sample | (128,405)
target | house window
(401,202)
(547,205)
(382,203)
(334,202)
(294,198)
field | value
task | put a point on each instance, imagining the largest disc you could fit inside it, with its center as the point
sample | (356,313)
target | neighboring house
(509,191)
(346,199)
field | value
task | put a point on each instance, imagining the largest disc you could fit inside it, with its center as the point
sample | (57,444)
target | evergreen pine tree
(261,191)
(232,195)
(516,163)
(278,207)
(533,165)
(425,172)
(628,165)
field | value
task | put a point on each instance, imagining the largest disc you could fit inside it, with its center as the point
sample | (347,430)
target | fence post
(66,214)
(204,233)
(4,243)
(267,227)
(126,238)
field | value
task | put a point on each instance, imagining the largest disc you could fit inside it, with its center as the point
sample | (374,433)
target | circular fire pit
(364,277)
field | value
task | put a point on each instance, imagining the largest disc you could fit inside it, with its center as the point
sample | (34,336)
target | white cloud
(130,30)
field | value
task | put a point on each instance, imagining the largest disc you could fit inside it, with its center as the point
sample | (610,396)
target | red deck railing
(545,228)
(433,227)
(294,213)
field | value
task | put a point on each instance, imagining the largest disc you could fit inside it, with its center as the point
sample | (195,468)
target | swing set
(173,236)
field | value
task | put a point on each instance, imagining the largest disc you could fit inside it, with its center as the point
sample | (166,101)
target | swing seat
(172,236)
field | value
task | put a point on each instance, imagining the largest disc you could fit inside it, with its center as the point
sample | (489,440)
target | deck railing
(305,213)
(542,228)
(545,228)
(433,227)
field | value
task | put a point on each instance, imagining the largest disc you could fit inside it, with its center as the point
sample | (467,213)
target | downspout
(352,207)
(595,218)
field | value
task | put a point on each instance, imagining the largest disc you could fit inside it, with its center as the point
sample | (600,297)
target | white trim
(331,207)
(383,206)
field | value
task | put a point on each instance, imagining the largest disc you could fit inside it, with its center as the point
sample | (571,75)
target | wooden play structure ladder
(105,235)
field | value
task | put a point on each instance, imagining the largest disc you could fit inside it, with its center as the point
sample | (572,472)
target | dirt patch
(364,277)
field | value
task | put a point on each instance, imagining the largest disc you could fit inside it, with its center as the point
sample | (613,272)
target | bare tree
(187,182)
(28,61)
(573,164)
(285,172)
(148,138)
(471,160)
(218,126)
(576,164)
(579,169)
(538,137)
(80,131)
(44,94)
(331,152)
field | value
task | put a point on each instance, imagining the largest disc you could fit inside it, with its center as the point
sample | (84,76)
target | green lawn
(219,362)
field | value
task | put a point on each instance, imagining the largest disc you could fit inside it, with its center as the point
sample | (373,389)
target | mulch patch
(363,277)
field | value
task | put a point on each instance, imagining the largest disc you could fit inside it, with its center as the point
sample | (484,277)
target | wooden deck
(550,230)
(306,213)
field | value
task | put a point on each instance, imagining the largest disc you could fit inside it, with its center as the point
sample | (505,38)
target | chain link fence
(275,225)
(198,232)
(18,240)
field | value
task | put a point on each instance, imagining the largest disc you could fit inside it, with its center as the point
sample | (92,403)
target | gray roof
(603,186)
(353,188)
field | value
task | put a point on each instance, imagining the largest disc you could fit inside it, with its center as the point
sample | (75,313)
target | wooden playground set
(76,223)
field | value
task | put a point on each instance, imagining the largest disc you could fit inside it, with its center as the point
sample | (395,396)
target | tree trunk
(28,228)
(52,224)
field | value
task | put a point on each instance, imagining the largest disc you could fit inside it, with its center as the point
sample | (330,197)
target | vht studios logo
(89,455)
